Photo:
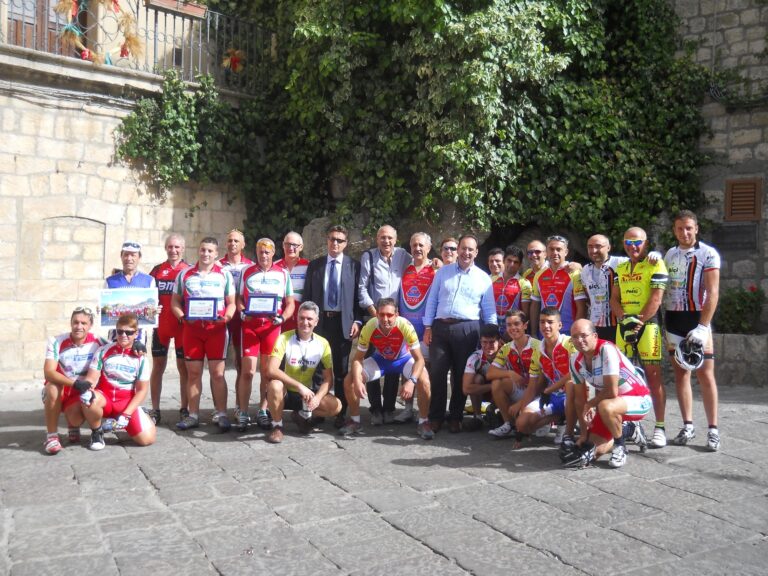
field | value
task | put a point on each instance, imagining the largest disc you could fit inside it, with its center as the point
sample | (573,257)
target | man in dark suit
(331,283)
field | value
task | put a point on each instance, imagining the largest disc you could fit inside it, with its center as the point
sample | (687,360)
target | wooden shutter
(744,200)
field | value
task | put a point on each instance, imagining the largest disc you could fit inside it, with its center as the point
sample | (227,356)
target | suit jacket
(350,277)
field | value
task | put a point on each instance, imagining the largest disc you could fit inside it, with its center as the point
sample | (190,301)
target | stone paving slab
(383,503)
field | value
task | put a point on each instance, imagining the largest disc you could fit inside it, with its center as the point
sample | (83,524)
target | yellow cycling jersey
(302,356)
(635,286)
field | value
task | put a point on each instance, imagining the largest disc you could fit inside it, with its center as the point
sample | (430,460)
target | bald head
(635,244)
(635,232)
(598,247)
(583,335)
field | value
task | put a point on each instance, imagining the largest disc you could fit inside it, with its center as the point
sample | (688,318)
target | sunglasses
(83,310)
(337,240)
(534,252)
(636,243)
(125,332)
(450,248)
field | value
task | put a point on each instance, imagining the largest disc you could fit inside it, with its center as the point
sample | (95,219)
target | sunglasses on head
(121,332)
(557,238)
(83,310)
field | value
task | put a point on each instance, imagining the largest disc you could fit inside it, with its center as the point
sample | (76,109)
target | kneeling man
(292,365)
(396,351)
(621,399)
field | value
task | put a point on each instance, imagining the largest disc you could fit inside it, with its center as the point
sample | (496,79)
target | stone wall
(66,205)
(731,35)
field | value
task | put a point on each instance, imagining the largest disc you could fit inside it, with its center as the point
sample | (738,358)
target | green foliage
(739,310)
(163,134)
(563,113)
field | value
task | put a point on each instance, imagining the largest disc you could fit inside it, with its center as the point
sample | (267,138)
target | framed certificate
(262,305)
(113,302)
(202,309)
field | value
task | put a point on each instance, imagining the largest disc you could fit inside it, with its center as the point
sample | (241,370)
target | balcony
(141,35)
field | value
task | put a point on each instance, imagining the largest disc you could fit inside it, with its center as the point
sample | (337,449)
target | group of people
(578,349)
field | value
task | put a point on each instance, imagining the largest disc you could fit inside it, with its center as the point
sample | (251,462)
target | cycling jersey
(273,282)
(558,289)
(235,269)
(138,280)
(120,368)
(476,361)
(685,291)
(401,338)
(608,361)
(509,294)
(298,278)
(73,360)
(302,357)
(217,283)
(635,285)
(165,279)
(414,289)
(556,366)
(168,325)
(598,286)
(519,361)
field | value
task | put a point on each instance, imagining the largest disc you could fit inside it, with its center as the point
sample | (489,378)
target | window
(744,200)
(35,25)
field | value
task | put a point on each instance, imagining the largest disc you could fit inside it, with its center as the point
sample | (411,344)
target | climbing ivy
(564,113)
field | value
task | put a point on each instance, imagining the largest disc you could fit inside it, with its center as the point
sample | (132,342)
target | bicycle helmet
(689,355)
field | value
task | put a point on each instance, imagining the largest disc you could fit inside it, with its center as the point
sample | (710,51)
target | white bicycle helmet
(689,355)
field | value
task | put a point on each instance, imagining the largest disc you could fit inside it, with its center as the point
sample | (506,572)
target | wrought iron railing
(148,35)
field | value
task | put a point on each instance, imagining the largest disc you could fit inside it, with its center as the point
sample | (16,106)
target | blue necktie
(333,286)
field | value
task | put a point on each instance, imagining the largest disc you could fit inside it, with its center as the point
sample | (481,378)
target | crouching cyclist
(621,399)
(121,374)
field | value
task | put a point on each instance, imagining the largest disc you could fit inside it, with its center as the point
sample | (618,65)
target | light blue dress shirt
(462,295)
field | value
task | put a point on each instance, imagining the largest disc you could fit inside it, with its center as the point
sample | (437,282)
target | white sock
(276,423)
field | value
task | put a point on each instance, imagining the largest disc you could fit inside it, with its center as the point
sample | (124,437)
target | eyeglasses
(125,332)
(337,240)
(291,245)
(450,248)
(534,252)
(582,337)
(83,310)
(557,239)
(637,242)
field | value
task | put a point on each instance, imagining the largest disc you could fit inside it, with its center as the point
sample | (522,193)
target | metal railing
(147,35)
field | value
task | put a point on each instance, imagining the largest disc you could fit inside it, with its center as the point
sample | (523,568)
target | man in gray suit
(331,283)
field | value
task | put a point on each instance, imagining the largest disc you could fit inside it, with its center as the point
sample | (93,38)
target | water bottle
(305,412)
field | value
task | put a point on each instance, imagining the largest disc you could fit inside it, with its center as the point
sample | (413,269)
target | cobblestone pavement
(386,502)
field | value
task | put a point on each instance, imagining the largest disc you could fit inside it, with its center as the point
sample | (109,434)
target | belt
(453,320)
(331,314)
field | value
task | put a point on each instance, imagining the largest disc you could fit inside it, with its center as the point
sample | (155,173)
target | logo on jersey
(552,300)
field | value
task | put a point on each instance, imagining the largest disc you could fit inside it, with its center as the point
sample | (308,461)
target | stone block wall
(66,206)
(731,36)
